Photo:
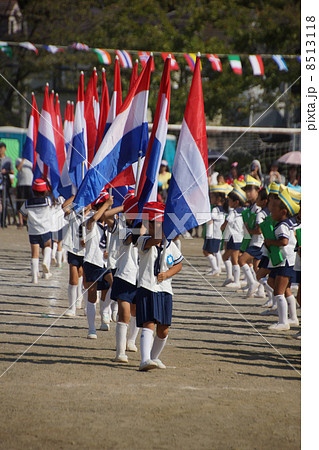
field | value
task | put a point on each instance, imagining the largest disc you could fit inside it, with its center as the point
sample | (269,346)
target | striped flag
(148,183)
(47,164)
(120,147)
(29,46)
(256,64)
(235,64)
(103,56)
(187,204)
(66,188)
(144,58)
(279,60)
(28,151)
(116,101)
(59,136)
(125,59)
(134,75)
(53,49)
(174,65)
(191,59)
(79,153)
(104,111)
(90,104)
(215,62)
(80,46)
(68,125)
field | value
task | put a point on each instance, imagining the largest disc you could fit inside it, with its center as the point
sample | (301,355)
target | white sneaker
(279,327)
(46,276)
(213,273)
(131,347)
(105,326)
(227,281)
(69,313)
(293,322)
(45,269)
(92,335)
(147,365)
(34,280)
(253,288)
(268,304)
(121,358)
(159,363)
(233,285)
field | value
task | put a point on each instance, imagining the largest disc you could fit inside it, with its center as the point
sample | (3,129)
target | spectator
(234,174)
(24,185)
(163,179)
(6,169)
(212,179)
(255,171)
(293,177)
(274,175)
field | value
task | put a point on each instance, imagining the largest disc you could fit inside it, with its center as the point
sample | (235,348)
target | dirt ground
(230,383)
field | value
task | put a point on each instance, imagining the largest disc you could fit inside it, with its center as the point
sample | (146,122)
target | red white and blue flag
(104,111)
(116,101)
(144,58)
(91,102)
(46,146)
(28,151)
(148,182)
(120,147)
(66,188)
(134,75)
(187,204)
(125,59)
(68,124)
(59,136)
(79,153)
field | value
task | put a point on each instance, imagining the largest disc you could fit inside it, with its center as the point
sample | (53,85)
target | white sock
(236,273)
(120,334)
(248,275)
(228,266)
(90,314)
(64,255)
(158,346)
(108,299)
(72,294)
(268,288)
(85,298)
(213,262)
(253,273)
(219,260)
(47,257)
(79,293)
(132,330)
(59,258)
(274,302)
(261,290)
(282,308)
(292,307)
(34,269)
(103,311)
(146,344)
(54,250)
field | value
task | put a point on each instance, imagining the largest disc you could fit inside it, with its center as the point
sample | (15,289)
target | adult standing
(6,169)
(274,175)
(256,172)
(24,185)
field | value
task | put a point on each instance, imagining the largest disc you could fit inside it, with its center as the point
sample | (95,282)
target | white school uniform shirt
(114,243)
(236,225)
(286,229)
(226,234)
(73,236)
(213,230)
(257,240)
(127,261)
(39,214)
(94,254)
(58,219)
(148,257)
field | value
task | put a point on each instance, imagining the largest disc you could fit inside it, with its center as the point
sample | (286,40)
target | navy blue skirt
(122,290)
(264,262)
(94,273)
(254,252)
(283,271)
(153,307)
(298,276)
(40,239)
(231,245)
(75,260)
(211,245)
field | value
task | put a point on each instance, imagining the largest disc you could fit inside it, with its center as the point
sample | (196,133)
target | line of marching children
(127,267)
(258,230)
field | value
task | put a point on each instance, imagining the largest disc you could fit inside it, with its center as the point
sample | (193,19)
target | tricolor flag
(46,146)
(28,151)
(148,182)
(29,46)
(279,60)
(53,48)
(66,188)
(79,153)
(120,147)
(134,75)
(80,46)
(116,101)
(257,64)
(68,124)
(103,56)
(125,59)
(104,112)
(174,65)
(144,58)
(235,64)
(191,59)
(59,136)
(187,204)
(90,105)
(215,62)
(4,47)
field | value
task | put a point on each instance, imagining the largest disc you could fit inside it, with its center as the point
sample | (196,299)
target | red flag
(104,112)
(91,127)
(215,62)
(59,138)
(134,75)
(29,152)
(174,65)
(144,58)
